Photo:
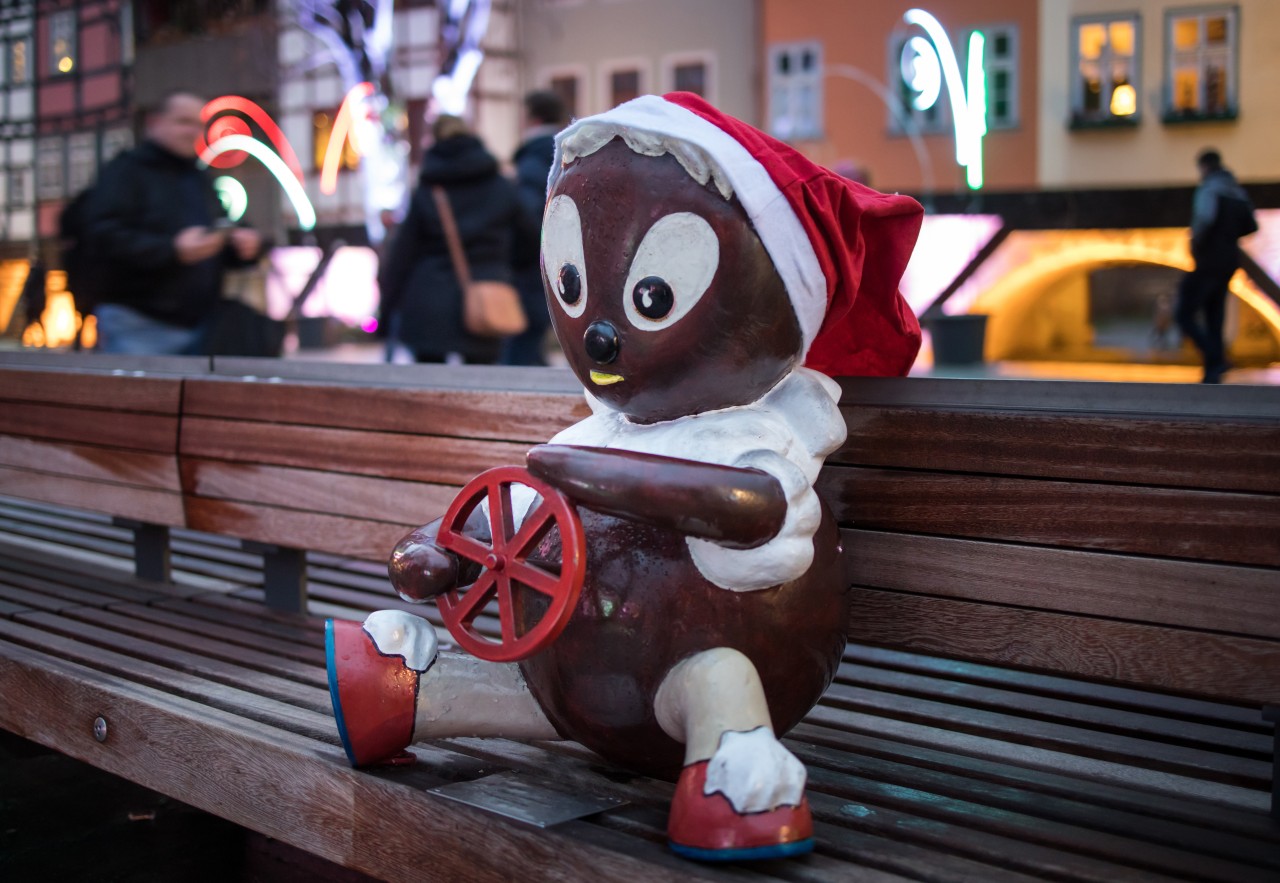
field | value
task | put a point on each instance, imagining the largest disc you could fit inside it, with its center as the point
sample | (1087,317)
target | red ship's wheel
(505,564)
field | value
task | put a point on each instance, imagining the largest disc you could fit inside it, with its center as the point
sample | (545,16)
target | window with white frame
(17,190)
(114,141)
(795,90)
(904,116)
(1105,82)
(50,163)
(62,42)
(82,161)
(1000,63)
(1201,61)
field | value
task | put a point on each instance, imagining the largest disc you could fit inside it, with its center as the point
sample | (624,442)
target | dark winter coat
(533,165)
(142,200)
(1221,214)
(419,286)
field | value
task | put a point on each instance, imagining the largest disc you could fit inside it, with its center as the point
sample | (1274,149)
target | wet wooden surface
(921,768)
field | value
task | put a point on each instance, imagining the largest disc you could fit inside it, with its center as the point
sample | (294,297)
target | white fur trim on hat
(771,215)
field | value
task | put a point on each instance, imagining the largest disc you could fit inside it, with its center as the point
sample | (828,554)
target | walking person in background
(161,240)
(544,117)
(421,295)
(1221,214)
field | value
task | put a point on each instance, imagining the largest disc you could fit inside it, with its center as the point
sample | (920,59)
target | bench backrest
(1127,533)
(100,438)
(1123,532)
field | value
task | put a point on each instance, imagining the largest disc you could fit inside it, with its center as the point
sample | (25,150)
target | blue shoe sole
(753,853)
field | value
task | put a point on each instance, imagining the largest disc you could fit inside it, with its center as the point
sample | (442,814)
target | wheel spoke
(535,578)
(500,519)
(532,529)
(506,609)
(477,596)
(472,550)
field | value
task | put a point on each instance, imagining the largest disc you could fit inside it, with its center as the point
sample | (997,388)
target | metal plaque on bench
(519,797)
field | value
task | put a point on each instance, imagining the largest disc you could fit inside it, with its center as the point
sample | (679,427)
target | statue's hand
(420,569)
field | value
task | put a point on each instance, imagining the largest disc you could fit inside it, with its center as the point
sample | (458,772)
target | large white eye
(563,260)
(674,265)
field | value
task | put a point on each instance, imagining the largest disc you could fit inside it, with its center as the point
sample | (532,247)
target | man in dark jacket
(544,117)
(160,239)
(1221,214)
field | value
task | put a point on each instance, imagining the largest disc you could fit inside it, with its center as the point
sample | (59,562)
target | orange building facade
(835,85)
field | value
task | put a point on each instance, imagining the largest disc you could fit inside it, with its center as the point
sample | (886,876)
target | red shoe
(706,827)
(373,696)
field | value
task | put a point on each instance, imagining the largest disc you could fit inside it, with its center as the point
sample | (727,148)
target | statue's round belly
(644,607)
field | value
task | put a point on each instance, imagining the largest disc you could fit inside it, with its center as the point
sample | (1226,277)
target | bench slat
(1222,454)
(380,454)
(491,414)
(1224,526)
(371,540)
(119,429)
(142,504)
(241,677)
(1245,600)
(87,461)
(294,789)
(1222,667)
(357,496)
(92,389)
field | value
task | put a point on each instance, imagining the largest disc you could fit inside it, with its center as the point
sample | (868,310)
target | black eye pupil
(653,297)
(570,284)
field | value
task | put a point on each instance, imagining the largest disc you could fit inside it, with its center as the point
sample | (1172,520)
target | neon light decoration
(343,130)
(927,65)
(275,165)
(222,127)
(235,199)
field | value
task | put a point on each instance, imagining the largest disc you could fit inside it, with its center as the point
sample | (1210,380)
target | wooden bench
(104,438)
(1039,685)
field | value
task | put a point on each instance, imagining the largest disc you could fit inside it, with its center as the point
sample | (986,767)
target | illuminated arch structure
(1034,287)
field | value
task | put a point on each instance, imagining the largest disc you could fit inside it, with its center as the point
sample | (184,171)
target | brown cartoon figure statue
(668,579)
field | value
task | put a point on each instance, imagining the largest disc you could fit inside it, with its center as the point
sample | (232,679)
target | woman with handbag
(446,279)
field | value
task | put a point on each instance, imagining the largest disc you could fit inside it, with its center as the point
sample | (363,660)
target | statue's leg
(391,685)
(741,794)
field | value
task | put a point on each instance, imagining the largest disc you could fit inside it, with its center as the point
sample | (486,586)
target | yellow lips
(599,378)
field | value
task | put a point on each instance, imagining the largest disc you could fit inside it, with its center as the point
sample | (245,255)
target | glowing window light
(235,199)
(264,154)
(1124,101)
(65,64)
(924,59)
(342,130)
(259,116)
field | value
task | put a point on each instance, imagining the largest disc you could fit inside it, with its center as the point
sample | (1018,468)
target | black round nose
(601,342)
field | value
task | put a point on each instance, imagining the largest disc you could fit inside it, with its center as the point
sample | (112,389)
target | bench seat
(921,768)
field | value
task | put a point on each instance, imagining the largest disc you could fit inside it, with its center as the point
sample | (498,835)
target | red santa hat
(840,247)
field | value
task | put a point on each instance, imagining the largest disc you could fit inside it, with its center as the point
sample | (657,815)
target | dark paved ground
(64,820)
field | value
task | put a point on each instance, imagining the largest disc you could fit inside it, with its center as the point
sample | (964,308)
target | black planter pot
(957,340)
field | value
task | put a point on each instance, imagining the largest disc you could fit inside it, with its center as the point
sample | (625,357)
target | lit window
(1105,84)
(1200,79)
(62,42)
(20,61)
(795,90)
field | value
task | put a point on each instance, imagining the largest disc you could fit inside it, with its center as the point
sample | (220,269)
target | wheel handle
(504,563)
